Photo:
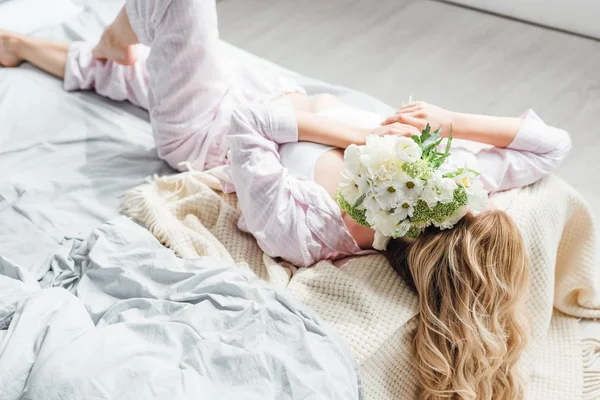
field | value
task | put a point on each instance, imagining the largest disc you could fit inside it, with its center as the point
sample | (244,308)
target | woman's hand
(418,115)
(396,129)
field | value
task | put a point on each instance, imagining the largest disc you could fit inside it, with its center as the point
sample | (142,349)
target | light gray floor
(457,58)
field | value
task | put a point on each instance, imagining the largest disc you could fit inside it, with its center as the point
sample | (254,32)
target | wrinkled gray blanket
(140,323)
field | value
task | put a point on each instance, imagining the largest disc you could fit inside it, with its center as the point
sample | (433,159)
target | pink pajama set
(211,115)
(180,78)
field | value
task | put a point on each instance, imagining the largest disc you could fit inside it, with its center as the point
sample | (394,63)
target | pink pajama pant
(179,77)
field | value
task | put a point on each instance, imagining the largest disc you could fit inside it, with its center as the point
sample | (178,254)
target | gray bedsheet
(91,305)
(143,324)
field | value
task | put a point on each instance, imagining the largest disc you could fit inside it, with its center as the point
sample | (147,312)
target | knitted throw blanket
(376,312)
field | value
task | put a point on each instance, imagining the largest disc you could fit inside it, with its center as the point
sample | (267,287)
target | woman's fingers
(411,120)
(410,107)
(397,129)
(403,116)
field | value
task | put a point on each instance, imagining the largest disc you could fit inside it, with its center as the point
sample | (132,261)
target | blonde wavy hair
(471,282)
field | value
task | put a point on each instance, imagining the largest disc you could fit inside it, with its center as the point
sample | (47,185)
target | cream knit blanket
(376,312)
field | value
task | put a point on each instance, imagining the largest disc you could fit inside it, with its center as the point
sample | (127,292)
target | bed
(66,159)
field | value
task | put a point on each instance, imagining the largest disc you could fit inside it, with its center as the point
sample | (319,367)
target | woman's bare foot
(111,48)
(8,50)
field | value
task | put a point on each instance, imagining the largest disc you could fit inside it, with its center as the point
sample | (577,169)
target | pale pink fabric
(535,152)
(193,98)
(290,218)
(189,90)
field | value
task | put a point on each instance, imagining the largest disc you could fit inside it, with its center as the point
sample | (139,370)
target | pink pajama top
(201,110)
(299,221)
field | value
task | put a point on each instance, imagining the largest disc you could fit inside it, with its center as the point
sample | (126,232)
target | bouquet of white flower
(399,186)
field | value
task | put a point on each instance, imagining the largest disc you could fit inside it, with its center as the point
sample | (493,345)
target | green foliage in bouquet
(352,210)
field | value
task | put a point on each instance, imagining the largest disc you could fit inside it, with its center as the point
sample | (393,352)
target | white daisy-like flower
(411,188)
(389,194)
(405,210)
(370,203)
(384,222)
(407,150)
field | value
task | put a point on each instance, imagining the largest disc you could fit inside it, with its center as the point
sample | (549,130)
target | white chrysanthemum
(379,158)
(407,150)
(384,222)
(405,210)
(352,159)
(386,171)
(348,186)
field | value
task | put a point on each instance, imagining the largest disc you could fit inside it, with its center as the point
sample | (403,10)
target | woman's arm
(293,219)
(535,151)
(315,128)
(524,149)
(496,131)
(320,129)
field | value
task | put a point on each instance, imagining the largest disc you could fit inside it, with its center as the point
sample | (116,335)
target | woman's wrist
(497,131)
(361,136)
(459,123)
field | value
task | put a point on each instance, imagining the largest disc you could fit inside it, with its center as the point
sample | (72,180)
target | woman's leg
(117,41)
(108,78)
(187,84)
(47,55)
(74,63)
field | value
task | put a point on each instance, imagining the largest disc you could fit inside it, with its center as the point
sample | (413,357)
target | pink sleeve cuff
(283,123)
(536,137)
(79,58)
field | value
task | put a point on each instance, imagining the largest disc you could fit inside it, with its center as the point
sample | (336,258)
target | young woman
(283,153)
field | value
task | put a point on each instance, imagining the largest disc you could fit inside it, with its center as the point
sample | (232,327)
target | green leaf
(425,133)
(359,201)
(416,139)
(454,174)
(449,141)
